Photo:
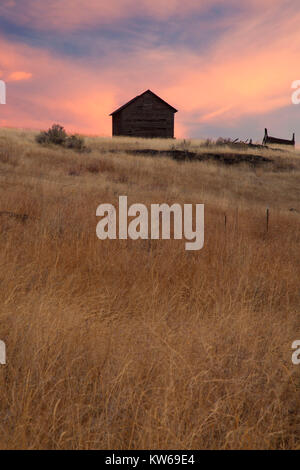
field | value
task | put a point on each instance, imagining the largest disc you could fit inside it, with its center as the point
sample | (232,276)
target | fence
(267,220)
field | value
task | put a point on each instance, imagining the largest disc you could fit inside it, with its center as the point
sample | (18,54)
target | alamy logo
(2,92)
(2,353)
(138,228)
(296,354)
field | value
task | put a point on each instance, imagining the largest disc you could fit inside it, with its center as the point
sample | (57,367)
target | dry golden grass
(138,344)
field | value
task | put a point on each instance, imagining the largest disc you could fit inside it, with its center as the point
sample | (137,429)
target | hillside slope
(140,344)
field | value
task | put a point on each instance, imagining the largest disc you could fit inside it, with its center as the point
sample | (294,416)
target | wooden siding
(275,140)
(145,116)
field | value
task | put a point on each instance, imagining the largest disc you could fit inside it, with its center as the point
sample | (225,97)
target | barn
(146,115)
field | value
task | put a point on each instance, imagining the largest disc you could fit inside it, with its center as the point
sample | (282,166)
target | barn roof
(138,96)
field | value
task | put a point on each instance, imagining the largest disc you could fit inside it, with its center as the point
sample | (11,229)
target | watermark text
(296,354)
(2,92)
(2,353)
(138,228)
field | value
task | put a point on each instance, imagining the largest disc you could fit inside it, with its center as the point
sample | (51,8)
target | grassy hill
(140,344)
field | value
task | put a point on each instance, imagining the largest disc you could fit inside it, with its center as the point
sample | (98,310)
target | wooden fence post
(267,219)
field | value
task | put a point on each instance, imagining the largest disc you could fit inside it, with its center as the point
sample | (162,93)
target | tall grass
(141,344)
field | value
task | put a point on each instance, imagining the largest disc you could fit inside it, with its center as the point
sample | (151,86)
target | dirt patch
(227,158)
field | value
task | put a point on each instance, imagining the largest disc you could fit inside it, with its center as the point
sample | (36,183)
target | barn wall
(145,117)
(116,124)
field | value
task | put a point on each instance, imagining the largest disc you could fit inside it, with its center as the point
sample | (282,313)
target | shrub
(75,142)
(55,135)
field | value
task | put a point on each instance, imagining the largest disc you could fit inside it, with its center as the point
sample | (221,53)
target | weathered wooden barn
(274,140)
(146,115)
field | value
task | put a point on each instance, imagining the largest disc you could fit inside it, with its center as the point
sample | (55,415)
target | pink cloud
(59,90)
(248,72)
(16,76)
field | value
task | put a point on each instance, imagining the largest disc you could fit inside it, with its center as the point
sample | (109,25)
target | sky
(226,65)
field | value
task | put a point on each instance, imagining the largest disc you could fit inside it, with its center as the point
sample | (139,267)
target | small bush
(74,142)
(55,135)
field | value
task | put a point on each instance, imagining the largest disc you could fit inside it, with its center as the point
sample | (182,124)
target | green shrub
(58,136)
(55,135)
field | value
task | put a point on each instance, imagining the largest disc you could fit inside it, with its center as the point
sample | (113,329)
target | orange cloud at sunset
(16,76)
(58,91)
(249,72)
